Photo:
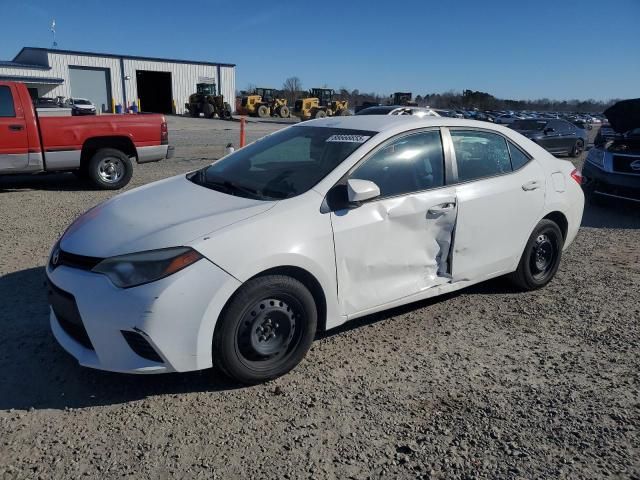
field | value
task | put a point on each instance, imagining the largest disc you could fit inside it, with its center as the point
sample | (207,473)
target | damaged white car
(241,263)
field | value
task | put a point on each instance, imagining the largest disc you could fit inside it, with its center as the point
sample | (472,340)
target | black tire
(541,257)
(345,113)
(277,307)
(318,114)
(109,169)
(578,148)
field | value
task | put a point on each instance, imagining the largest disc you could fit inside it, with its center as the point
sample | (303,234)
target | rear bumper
(599,182)
(155,153)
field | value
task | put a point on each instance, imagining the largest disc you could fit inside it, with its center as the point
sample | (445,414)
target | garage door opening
(93,84)
(154,91)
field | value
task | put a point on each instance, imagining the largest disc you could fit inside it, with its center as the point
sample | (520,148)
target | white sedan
(239,264)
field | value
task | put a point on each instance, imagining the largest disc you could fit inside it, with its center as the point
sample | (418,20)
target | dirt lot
(485,383)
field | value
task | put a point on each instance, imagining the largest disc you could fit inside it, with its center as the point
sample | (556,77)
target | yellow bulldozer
(264,103)
(208,102)
(319,104)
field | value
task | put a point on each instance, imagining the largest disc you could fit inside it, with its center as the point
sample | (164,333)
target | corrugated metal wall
(184,76)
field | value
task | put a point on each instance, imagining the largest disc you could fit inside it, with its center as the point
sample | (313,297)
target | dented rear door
(397,245)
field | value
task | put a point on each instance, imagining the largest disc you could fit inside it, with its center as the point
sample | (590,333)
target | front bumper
(618,185)
(163,326)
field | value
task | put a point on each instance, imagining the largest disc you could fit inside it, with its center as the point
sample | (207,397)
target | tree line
(466,100)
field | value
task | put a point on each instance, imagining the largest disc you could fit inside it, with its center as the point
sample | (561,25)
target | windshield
(282,165)
(81,102)
(529,125)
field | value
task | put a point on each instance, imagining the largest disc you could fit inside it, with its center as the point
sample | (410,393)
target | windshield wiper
(229,187)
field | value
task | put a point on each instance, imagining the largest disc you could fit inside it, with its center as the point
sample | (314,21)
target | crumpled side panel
(392,248)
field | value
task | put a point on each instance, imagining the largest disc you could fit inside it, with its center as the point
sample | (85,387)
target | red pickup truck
(100,148)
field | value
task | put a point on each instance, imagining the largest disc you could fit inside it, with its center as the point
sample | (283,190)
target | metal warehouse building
(159,85)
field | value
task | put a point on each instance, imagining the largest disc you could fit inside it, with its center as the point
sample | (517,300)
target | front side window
(409,164)
(282,165)
(480,154)
(6,102)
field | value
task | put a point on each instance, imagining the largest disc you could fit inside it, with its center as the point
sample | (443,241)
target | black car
(555,135)
(612,168)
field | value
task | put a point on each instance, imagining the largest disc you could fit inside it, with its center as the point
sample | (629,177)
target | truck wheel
(263,111)
(319,114)
(109,169)
(283,111)
(208,110)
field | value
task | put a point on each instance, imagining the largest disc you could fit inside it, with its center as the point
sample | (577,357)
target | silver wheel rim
(111,169)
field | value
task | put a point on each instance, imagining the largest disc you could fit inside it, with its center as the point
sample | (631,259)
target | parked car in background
(99,148)
(612,167)
(80,106)
(506,119)
(559,137)
(189,272)
(398,110)
(46,102)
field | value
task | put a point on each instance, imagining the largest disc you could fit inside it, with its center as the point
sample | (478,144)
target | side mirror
(361,190)
(549,130)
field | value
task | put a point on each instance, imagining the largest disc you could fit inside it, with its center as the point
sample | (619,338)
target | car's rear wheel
(265,330)
(109,169)
(541,257)
(578,148)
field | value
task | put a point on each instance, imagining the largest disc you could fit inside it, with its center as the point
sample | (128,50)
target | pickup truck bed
(100,148)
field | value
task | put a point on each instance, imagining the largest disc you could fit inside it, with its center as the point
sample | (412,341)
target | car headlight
(596,157)
(135,269)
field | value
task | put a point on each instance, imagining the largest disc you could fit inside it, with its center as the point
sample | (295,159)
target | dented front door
(397,244)
(393,248)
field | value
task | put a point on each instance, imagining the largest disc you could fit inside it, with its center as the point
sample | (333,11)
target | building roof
(27,79)
(13,64)
(111,55)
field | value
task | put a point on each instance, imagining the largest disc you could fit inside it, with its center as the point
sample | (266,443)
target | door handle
(532,185)
(442,208)
(15,128)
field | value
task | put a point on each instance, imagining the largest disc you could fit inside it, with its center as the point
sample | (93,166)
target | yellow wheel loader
(319,104)
(264,103)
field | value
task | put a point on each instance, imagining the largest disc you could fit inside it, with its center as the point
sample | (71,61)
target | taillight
(164,134)
(577,176)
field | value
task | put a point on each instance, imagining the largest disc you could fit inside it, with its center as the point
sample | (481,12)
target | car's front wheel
(265,330)
(541,257)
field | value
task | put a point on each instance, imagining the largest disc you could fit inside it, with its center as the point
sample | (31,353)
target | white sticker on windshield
(348,138)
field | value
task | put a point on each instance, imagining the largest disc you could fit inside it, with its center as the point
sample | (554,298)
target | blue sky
(560,49)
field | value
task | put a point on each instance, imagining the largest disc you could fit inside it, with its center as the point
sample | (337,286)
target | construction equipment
(263,103)
(320,104)
(403,98)
(208,102)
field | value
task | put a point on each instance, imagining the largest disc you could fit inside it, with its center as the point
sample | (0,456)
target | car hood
(625,115)
(168,213)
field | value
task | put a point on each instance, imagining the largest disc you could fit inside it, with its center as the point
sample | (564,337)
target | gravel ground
(484,383)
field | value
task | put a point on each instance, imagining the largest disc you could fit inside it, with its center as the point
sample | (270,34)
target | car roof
(381,123)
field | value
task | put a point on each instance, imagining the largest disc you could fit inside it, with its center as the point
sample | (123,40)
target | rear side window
(6,102)
(518,157)
(480,154)
(408,164)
